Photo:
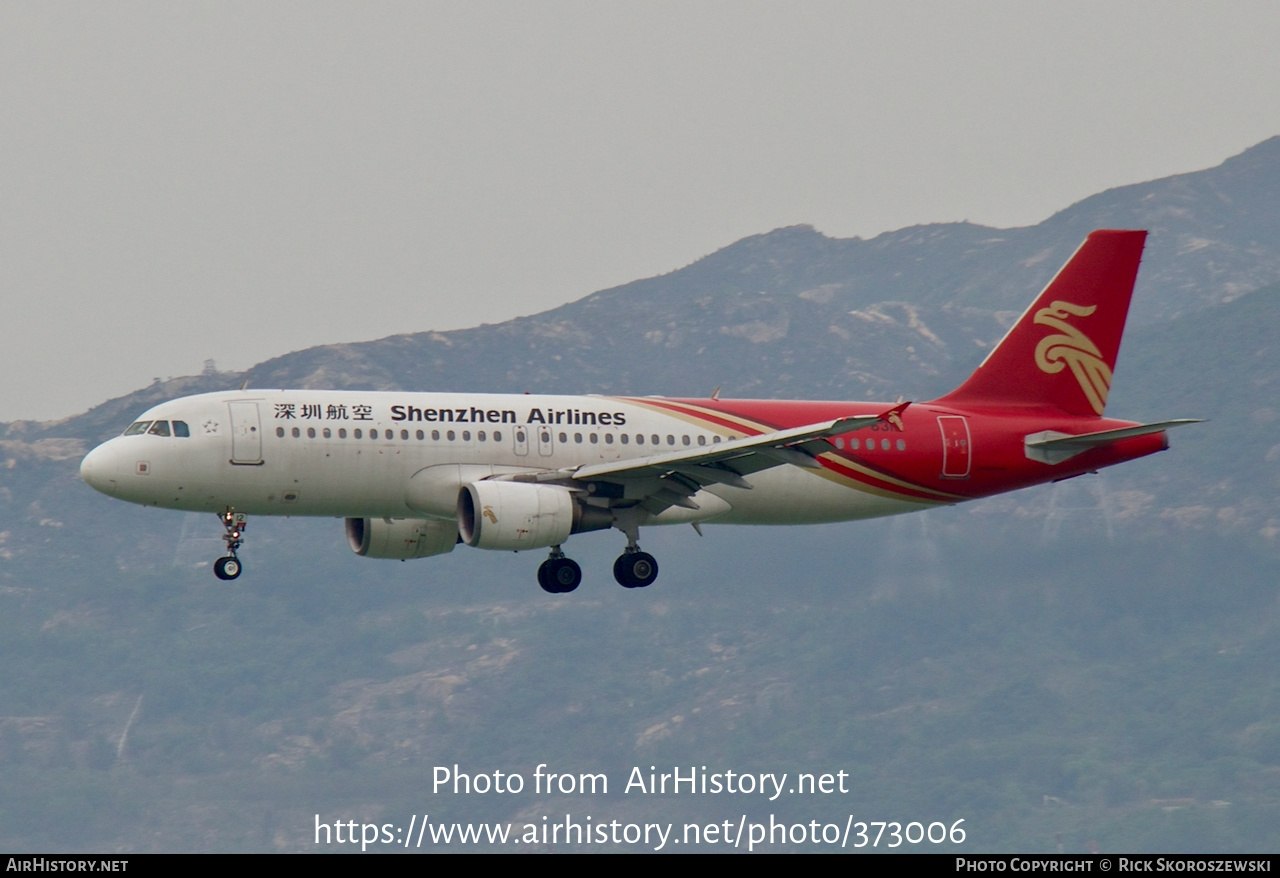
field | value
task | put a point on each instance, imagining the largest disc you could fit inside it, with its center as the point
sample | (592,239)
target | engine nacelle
(400,538)
(523,515)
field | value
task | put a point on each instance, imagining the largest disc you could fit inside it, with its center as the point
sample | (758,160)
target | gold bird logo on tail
(1073,348)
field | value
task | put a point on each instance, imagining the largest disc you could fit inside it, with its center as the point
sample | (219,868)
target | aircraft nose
(98,469)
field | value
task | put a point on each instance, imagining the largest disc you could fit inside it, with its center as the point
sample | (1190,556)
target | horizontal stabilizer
(1052,447)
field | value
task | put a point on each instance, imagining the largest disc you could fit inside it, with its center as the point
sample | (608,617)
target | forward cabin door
(246,434)
(957,454)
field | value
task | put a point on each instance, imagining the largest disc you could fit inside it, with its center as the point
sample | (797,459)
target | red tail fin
(1063,348)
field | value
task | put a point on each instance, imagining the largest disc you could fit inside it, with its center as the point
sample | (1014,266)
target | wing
(671,479)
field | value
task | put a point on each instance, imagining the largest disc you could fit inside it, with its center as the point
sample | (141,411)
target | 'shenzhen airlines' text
(474,415)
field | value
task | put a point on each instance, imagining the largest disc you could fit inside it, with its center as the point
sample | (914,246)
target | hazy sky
(184,181)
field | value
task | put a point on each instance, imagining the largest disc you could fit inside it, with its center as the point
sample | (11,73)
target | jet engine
(400,538)
(523,515)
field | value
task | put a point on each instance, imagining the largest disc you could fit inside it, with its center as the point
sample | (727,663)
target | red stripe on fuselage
(754,417)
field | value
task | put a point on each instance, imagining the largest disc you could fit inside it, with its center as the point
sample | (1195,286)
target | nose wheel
(558,574)
(234,523)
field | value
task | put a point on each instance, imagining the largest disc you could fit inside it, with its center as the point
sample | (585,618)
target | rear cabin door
(957,455)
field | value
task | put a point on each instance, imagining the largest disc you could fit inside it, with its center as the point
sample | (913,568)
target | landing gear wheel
(635,569)
(233,523)
(559,575)
(226,568)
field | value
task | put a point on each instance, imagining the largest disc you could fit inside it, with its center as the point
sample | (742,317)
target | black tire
(644,569)
(544,577)
(566,574)
(622,572)
(227,568)
(635,569)
(559,575)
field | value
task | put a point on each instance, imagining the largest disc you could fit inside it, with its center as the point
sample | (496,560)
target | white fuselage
(404,455)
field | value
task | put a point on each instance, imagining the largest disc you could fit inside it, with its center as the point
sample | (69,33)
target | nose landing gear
(228,567)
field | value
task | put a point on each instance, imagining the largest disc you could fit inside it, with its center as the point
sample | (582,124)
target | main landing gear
(633,569)
(228,567)
(558,574)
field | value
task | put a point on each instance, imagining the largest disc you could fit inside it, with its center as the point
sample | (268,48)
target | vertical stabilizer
(1062,350)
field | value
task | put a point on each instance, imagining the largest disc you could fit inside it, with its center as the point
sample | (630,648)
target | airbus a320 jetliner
(414,474)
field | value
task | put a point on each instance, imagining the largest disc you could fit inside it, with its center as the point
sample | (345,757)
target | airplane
(415,474)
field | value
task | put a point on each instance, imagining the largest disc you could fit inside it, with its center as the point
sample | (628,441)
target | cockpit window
(137,428)
(181,430)
(159,428)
